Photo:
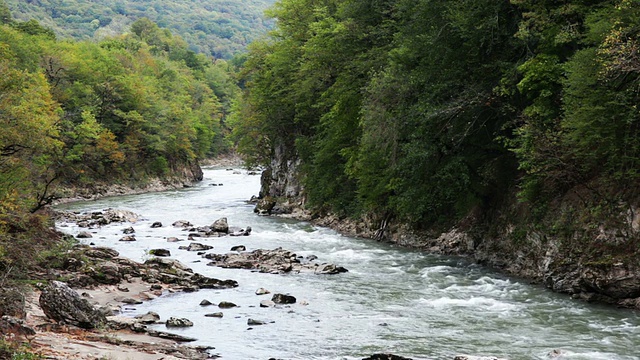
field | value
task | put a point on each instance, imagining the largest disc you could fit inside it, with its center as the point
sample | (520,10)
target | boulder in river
(330,269)
(221,226)
(262,291)
(178,322)
(160,252)
(182,224)
(283,299)
(128,238)
(129,230)
(254,322)
(84,235)
(239,248)
(156,225)
(226,305)
(386,357)
(194,246)
(241,232)
(63,304)
(267,304)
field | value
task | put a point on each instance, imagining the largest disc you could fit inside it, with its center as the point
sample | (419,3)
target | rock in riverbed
(283,299)
(386,357)
(270,261)
(178,322)
(194,246)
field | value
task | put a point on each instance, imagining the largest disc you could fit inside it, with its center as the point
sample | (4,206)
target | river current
(392,299)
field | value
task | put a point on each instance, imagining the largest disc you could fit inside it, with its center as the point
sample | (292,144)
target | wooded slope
(220,28)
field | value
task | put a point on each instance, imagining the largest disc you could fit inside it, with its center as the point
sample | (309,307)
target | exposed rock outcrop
(276,261)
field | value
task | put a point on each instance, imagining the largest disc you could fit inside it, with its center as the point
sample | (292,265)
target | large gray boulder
(221,225)
(63,304)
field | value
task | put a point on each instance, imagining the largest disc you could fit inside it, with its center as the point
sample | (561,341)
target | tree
(5,13)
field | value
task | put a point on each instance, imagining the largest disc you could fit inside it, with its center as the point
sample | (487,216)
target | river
(392,299)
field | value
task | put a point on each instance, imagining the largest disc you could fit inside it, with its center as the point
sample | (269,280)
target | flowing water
(391,300)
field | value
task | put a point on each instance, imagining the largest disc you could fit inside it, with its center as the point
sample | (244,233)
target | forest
(218,28)
(427,111)
(79,113)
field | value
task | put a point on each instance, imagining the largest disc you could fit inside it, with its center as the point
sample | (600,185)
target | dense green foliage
(122,110)
(220,28)
(425,110)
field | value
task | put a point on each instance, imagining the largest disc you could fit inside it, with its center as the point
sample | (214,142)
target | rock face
(276,261)
(280,179)
(264,206)
(63,304)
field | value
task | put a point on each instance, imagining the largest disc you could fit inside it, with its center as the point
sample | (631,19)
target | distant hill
(220,28)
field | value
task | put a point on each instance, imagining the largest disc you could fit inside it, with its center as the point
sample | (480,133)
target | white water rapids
(392,299)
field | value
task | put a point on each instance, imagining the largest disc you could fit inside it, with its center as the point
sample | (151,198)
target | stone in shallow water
(226,305)
(215,315)
(128,238)
(160,252)
(262,291)
(267,303)
(283,299)
(178,322)
(386,357)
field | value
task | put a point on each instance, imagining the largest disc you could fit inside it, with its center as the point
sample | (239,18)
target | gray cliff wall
(281,178)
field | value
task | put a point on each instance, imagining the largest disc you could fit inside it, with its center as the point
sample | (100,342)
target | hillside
(515,122)
(220,28)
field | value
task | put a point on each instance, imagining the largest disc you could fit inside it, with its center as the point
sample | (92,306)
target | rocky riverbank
(584,246)
(78,310)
